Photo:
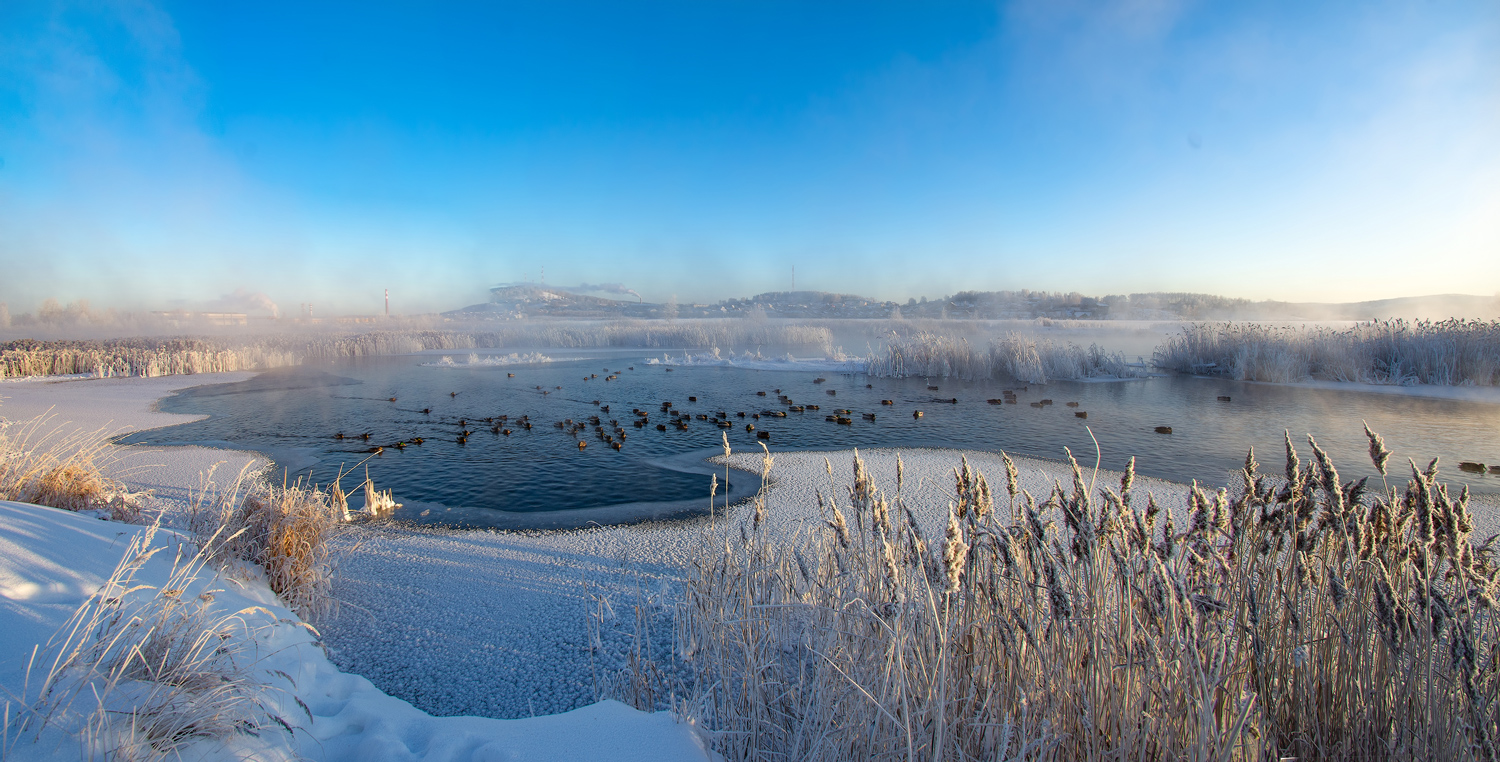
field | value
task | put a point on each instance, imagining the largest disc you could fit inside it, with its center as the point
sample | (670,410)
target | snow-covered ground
(497,624)
(51,561)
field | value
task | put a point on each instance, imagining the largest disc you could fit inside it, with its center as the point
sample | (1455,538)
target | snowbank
(51,561)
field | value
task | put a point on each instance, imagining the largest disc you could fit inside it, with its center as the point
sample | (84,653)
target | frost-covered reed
(1013,356)
(284,529)
(142,672)
(185,355)
(1295,616)
(1451,352)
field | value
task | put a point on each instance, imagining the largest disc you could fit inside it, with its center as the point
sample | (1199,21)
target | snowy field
(481,623)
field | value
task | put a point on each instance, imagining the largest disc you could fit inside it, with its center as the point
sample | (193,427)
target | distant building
(183,317)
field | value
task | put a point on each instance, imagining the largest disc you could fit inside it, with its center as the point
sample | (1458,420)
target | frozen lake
(540,477)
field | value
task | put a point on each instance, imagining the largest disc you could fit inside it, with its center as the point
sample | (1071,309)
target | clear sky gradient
(165,154)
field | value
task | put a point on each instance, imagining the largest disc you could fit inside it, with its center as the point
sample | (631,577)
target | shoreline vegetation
(1012,356)
(1393,352)
(1384,352)
(1292,615)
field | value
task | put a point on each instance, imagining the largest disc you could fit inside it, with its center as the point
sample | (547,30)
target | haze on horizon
(161,154)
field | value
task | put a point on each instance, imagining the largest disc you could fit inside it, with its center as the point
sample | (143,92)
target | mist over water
(293,415)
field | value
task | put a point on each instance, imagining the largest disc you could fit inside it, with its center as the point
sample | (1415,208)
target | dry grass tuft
(1296,616)
(45,463)
(147,673)
(284,530)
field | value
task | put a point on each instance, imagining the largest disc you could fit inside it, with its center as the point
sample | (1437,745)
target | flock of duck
(612,432)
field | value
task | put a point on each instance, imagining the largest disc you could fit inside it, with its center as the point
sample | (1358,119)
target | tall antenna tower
(387,302)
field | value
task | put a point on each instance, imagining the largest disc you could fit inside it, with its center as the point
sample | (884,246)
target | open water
(539,477)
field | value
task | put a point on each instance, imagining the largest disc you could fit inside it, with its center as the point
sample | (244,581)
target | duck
(916,414)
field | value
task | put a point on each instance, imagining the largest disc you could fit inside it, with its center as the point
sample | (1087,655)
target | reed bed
(1450,352)
(152,357)
(148,673)
(1294,616)
(47,464)
(1012,356)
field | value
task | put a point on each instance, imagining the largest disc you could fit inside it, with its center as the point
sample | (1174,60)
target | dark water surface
(498,480)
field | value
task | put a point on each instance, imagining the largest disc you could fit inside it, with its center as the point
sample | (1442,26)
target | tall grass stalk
(1296,615)
(1450,352)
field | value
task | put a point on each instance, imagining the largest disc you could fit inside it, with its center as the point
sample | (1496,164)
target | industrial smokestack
(387,302)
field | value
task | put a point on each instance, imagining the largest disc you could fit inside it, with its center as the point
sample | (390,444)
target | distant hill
(535,300)
(1437,307)
(521,301)
(1188,306)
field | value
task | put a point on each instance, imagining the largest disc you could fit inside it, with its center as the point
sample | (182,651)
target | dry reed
(1293,616)
(46,463)
(285,530)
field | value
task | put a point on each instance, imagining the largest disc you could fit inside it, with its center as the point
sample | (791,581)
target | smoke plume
(243,300)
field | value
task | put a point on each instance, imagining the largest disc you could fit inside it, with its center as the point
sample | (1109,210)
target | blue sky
(161,154)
